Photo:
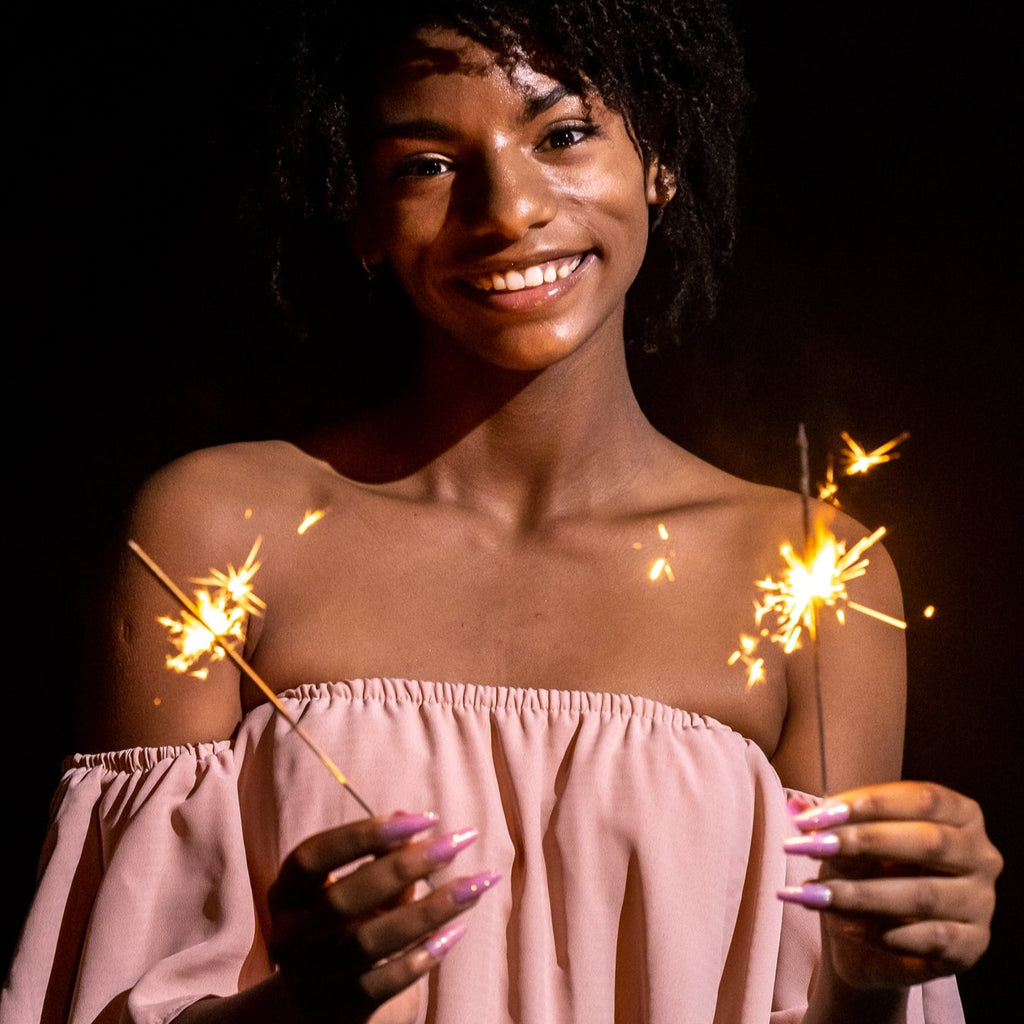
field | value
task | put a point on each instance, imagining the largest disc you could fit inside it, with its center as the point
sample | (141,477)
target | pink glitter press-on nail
(404,826)
(812,895)
(469,890)
(438,945)
(825,816)
(813,844)
(442,850)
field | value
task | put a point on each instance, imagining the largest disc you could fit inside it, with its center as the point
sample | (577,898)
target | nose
(507,195)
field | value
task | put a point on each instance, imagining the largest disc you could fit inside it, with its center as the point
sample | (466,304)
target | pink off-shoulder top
(640,848)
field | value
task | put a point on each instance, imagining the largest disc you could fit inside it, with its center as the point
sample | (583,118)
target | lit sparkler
(213,623)
(816,580)
(810,582)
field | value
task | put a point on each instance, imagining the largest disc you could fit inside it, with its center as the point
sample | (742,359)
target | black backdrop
(876,289)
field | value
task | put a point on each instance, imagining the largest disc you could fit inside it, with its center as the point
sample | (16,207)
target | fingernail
(797,805)
(440,851)
(438,945)
(812,895)
(405,826)
(469,890)
(824,816)
(814,844)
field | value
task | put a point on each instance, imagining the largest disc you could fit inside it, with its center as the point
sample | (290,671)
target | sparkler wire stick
(805,494)
(225,644)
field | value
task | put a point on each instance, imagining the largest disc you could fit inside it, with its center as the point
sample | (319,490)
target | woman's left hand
(907,885)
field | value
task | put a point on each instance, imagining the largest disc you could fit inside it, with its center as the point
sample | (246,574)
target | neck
(521,446)
(540,445)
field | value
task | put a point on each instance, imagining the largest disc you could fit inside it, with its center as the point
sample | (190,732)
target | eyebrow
(428,128)
(417,128)
(545,101)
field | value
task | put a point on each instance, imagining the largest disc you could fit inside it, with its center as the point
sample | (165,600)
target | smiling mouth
(527,277)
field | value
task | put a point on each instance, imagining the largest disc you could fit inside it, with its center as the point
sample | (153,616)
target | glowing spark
(818,580)
(220,631)
(196,635)
(747,654)
(310,519)
(661,565)
(859,460)
(929,612)
(234,594)
(827,490)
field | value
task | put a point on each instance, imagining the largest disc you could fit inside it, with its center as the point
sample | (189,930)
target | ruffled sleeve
(144,902)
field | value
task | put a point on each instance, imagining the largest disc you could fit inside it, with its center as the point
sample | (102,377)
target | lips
(519,279)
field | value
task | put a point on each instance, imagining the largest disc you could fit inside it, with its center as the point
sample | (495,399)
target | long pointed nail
(442,850)
(438,945)
(797,805)
(469,890)
(404,826)
(823,817)
(814,844)
(812,895)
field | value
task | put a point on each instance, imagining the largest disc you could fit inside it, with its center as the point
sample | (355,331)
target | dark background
(876,289)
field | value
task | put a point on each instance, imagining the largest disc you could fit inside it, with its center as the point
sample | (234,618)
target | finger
(316,860)
(947,946)
(897,801)
(389,978)
(925,844)
(929,897)
(388,877)
(384,935)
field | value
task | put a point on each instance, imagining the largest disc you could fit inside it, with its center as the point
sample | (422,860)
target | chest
(630,607)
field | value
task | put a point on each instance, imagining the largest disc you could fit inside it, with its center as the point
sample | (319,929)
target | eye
(429,165)
(568,135)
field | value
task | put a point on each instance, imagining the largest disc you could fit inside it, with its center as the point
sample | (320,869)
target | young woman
(597,815)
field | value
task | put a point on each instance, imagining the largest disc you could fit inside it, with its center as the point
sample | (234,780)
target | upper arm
(180,521)
(859,670)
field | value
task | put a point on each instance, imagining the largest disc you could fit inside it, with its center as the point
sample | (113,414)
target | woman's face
(513,212)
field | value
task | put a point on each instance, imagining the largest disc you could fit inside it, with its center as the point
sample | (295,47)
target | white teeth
(530,277)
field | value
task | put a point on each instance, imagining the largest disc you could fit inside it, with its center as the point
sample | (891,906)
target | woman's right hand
(348,931)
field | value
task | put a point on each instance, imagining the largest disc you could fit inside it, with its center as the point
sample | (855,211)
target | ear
(661,184)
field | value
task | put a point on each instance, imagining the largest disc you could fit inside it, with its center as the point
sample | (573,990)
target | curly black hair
(672,68)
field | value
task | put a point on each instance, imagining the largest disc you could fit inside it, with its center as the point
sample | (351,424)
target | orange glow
(805,585)
(310,519)
(213,622)
(661,565)
(222,606)
(827,490)
(859,460)
(747,654)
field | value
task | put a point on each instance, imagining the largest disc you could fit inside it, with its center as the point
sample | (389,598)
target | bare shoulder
(214,481)
(759,519)
(205,510)
(850,655)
